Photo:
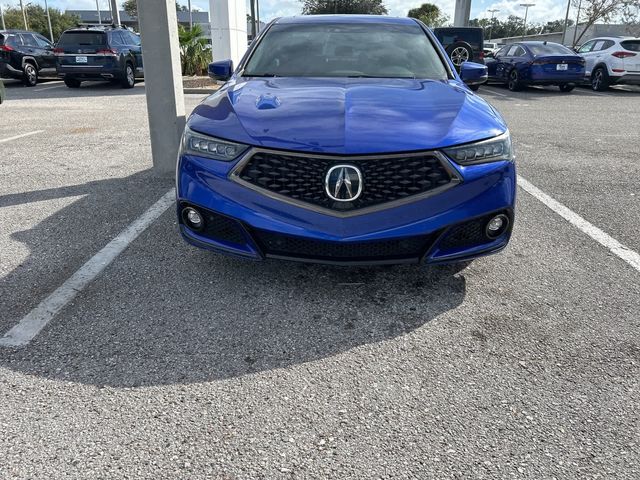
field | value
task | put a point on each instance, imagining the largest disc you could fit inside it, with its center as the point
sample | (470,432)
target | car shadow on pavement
(56,89)
(167,313)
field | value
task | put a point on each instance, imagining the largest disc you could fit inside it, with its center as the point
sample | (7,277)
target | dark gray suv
(26,56)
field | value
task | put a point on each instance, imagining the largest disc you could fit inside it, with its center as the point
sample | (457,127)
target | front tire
(567,87)
(29,75)
(514,81)
(72,82)
(474,88)
(599,80)
(129,79)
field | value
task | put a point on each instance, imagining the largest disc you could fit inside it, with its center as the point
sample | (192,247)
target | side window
(135,39)
(14,41)
(598,46)
(519,52)
(512,50)
(586,47)
(608,44)
(29,40)
(502,52)
(116,39)
(42,42)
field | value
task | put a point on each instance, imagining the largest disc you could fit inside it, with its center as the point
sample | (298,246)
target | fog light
(192,218)
(496,226)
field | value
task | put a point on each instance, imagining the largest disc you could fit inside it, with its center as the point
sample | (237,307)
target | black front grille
(384,179)
(276,244)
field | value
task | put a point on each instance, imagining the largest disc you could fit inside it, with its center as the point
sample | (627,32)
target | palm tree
(194,53)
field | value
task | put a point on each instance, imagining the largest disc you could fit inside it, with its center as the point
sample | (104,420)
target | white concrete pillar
(228,29)
(163,80)
(462,13)
(115,13)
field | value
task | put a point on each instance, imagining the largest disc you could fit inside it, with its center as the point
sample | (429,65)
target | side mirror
(473,73)
(221,70)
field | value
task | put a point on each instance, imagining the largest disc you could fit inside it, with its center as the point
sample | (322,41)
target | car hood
(346,116)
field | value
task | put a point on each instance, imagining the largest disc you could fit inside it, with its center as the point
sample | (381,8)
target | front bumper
(446,227)
(7,71)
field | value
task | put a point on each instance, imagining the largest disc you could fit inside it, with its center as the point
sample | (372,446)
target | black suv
(26,56)
(462,44)
(99,53)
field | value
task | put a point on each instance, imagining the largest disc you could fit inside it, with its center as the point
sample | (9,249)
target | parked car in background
(490,47)
(96,52)
(611,61)
(536,63)
(26,56)
(462,44)
(346,139)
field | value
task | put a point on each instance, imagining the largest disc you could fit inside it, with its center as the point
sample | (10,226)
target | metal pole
(24,16)
(99,15)
(4,27)
(190,16)
(566,22)
(575,29)
(492,12)
(46,6)
(526,11)
(253,19)
(115,13)
(258,15)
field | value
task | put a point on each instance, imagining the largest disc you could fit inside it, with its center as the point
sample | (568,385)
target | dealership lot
(177,363)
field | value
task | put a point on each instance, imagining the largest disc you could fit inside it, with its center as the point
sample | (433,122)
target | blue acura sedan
(347,140)
(536,63)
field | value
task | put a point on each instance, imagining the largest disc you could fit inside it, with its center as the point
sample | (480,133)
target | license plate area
(81,59)
(562,66)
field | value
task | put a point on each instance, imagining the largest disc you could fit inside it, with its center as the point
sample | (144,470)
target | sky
(545,10)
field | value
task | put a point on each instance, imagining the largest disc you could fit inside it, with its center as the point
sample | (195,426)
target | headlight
(492,150)
(194,143)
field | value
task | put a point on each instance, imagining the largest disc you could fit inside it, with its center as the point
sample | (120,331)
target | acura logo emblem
(343,183)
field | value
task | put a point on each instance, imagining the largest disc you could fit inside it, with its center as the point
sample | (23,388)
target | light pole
(24,16)
(190,16)
(99,14)
(46,7)
(575,29)
(493,11)
(4,27)
(526,11)
(566,22)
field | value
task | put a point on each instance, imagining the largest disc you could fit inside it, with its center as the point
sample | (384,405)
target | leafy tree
(37,20)
(429,14)
(631,18)
(604,10)
(316,7)
(194,54)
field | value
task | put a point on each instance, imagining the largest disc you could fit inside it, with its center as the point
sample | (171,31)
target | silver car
(611,61)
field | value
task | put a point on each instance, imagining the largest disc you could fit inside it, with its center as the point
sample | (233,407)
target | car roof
(538,42)
(12,30)
(319,19)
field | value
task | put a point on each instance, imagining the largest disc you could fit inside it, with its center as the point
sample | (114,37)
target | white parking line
(22,333)
(604,239)
(3,140)
(48,88)
(494,92)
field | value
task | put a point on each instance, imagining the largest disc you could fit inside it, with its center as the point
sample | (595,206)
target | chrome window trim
(456,179)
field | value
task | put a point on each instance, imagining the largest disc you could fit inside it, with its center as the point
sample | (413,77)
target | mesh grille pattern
(469,233)
(384,179)
(299,247)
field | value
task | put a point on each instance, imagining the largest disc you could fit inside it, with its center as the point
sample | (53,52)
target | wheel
(567,87)
(129,79)
(599,79)
(514,81)
(29,75)
(72,82)
(474,88)
(459,53)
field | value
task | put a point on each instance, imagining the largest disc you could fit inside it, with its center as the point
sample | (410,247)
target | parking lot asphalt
(178,363)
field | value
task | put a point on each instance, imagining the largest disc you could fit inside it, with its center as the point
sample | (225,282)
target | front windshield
(346,50)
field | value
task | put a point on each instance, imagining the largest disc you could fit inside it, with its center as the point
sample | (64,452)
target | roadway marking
(4,140)
(58,85)
(604,239)
(23,332)
(496,93)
